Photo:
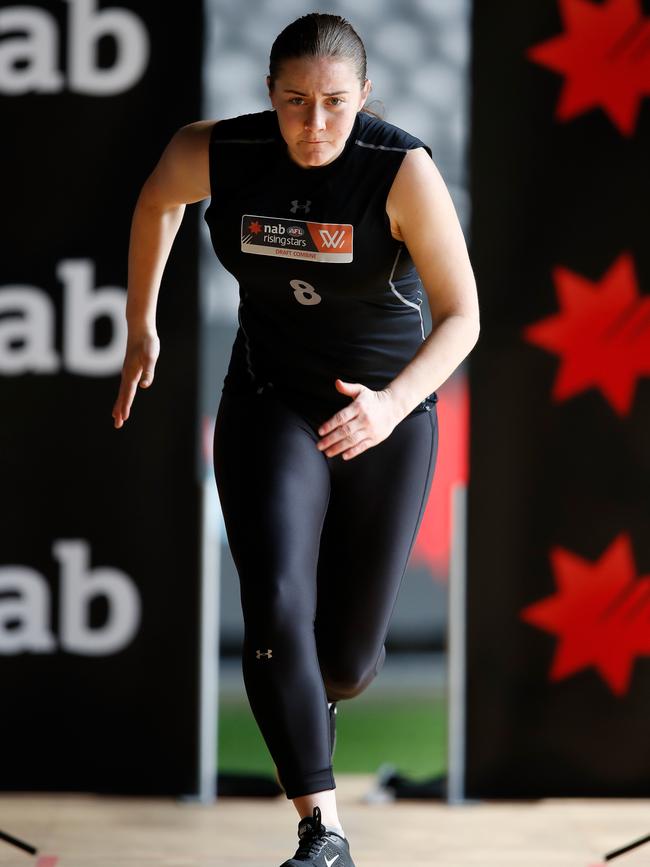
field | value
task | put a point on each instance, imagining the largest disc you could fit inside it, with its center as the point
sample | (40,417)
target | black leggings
(321,546)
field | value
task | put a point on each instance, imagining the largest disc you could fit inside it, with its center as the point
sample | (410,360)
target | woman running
(326,436)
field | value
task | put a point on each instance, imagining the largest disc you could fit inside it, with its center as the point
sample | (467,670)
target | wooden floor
(97,831)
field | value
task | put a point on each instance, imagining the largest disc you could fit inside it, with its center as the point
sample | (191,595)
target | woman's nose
(315,119)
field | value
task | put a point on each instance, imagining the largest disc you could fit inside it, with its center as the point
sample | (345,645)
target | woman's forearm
(449,342)
(153,229)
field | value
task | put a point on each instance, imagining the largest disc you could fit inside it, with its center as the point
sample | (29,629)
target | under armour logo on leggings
(268,654)
(294,206)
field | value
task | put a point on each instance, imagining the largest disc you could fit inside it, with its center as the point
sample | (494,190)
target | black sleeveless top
(325,290)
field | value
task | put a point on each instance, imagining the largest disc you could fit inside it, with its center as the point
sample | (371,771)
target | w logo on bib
(297,239)
(332,239)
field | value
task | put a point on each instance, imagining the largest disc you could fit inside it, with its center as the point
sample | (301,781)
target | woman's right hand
(142,352)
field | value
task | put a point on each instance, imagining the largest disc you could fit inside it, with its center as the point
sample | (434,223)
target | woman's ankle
(326,800)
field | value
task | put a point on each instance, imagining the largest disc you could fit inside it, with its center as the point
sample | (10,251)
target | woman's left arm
(423,214)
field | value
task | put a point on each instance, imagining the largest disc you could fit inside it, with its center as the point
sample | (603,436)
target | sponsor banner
(99,554)
(558,644)
(298,239)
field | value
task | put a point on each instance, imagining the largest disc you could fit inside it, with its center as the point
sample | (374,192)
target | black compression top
(325,290)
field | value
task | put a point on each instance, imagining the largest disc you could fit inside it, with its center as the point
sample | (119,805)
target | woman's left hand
(367,420)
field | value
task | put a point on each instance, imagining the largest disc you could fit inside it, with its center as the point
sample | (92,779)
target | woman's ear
(365,92)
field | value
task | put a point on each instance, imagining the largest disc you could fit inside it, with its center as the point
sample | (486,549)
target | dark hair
(319,34)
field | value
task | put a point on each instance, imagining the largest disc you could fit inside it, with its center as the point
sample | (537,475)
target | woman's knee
(347,679)
(279,605)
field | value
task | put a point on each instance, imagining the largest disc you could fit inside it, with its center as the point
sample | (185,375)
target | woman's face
(316,101)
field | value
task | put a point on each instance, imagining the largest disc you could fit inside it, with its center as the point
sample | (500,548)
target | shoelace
(313,837)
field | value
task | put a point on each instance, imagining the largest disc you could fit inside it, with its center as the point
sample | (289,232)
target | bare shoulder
(191,142)
(423,213)
(417,167)
(182,175)
(195,134)
(418,185)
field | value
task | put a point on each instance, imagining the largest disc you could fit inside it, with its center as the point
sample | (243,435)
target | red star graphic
(602,334)
(254,227)
(600,614)
(604,55)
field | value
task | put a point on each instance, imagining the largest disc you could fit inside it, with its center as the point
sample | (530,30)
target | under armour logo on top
(295,206)
(268,654)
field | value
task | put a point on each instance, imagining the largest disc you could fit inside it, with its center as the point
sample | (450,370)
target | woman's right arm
(181,177)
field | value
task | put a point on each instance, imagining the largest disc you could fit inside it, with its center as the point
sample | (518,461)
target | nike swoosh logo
(329,863)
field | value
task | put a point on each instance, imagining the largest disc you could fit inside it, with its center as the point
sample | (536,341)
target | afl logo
(295,230)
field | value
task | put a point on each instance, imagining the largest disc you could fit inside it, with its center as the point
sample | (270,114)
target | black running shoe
(318,846)
(332,741)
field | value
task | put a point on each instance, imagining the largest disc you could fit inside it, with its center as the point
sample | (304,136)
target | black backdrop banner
(558,640)
(99,551)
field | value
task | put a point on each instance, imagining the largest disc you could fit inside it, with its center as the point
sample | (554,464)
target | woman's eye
(298,100)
